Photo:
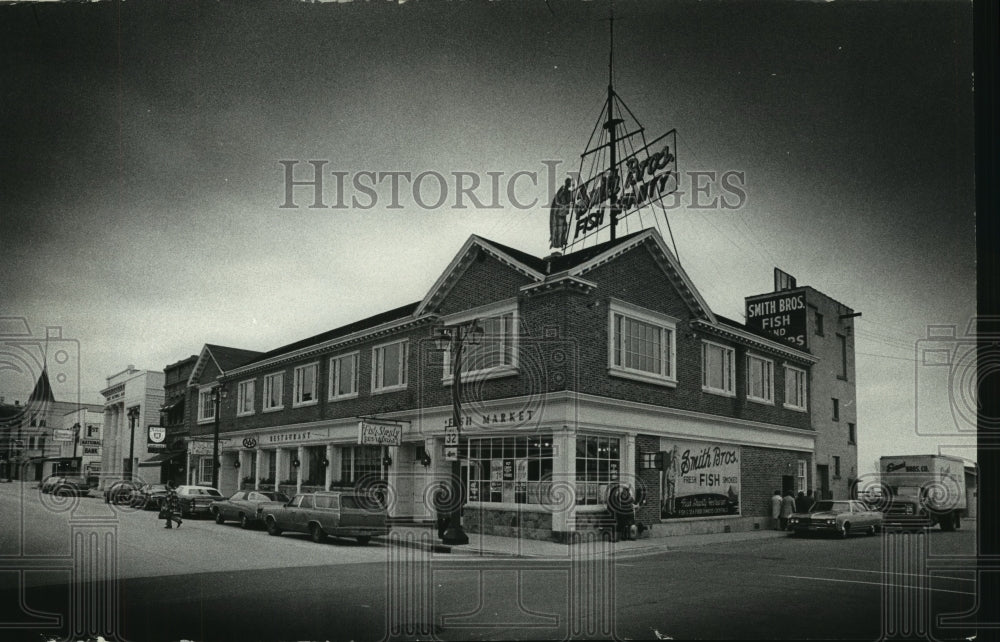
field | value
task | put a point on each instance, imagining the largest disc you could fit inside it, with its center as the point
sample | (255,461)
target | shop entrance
(787,485)
(823,481)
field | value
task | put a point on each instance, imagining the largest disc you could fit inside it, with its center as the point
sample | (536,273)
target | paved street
(210,582)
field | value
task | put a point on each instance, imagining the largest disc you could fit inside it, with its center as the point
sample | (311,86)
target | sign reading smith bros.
(782,314)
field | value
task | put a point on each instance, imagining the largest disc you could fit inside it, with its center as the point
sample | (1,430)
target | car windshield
(210,492)
(276,497)
(836,507)
(76,480)
(155,487)
(359,502)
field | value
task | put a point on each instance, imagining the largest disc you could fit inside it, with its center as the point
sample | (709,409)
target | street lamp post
(454,337)
(218,394)
(133,417)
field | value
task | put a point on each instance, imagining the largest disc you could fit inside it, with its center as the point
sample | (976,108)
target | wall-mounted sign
(205,447)
(699,479)
(379,433)
(249,442)
(157,434)
(62,435)
(90,441)
(289,437)
(782,314)
(92,450)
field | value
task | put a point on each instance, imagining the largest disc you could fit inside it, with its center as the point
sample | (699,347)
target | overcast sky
(140,183)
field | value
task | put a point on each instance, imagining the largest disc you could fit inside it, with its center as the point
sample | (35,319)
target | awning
(159,458)
(173,404)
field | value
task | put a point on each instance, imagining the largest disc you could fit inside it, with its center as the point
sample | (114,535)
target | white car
(197,499)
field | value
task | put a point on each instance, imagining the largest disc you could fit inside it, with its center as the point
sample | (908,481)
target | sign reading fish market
(379,433)
(641,178)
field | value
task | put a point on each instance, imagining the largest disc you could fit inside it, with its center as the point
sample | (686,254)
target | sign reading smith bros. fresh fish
(699,479)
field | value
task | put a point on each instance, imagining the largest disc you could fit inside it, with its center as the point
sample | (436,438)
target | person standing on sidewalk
(787,508)
(441,496)
(171,508)
(776,510)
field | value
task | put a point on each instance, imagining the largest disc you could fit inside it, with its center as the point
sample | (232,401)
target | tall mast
(611,124)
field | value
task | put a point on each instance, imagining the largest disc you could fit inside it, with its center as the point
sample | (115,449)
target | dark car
(49,483)
(841,518)
(325,514)
(245,506)
(67,486)
(197,499)
(149,496)
(120,491)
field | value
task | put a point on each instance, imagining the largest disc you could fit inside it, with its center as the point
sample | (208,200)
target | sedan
(67,486)
(840,517)
(120,492)
(245,507)
(149,496)
(197,499)
(49,483)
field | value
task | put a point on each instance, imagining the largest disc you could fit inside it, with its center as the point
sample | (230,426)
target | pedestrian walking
(622,507)
(776,510)
(171,507)
(441,495)
(787,508)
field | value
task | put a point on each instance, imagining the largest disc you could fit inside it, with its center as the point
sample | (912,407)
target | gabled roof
(223,357)
(43,389)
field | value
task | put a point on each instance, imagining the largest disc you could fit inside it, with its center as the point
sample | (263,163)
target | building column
(333,459)
(564,474)
(301,456)
(627,451)
(278,468)
(260,468)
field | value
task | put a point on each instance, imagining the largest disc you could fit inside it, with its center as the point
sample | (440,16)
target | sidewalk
(425,537)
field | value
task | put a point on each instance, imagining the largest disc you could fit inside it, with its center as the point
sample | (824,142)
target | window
(642,344)
(795,388)
(852,435)
(305,385)
(344,376)
(205,471)
(206,407)
(819,324)
(273,389)
(244,398)
(843,356)
(836,409)
(760,379)
(836,467)
(513,470)
(361,462)
(389,366)
(648,460)
(496,351)
(717,368)
(41,442)
(800,478)
(597,464)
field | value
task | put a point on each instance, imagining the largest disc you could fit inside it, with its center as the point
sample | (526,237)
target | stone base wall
(705,526)
(508,523)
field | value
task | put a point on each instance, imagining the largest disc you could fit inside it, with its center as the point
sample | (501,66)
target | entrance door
(823,481)
(787,485)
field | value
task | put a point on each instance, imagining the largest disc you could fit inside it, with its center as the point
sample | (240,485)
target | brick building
(600,367)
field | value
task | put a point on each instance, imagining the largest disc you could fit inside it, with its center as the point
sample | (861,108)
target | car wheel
(317,533)
(244,522)
(847,531)
(219,518)
(363,539)
(272,527)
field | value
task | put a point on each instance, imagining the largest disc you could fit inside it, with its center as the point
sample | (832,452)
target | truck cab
(922,491)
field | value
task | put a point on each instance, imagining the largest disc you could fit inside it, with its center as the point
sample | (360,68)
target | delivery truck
(923,490)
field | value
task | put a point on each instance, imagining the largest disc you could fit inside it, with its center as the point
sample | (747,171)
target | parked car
(49,483)
(149,496)
(245,507)
(67,486)
(336,514)
(840,517)
(120,491)
(197,499)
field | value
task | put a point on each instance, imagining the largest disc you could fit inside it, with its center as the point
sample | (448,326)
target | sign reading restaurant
(379,433)
(782,314)
(699,479)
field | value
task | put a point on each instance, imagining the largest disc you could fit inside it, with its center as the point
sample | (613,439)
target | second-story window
(273,388)
(244,398)
(344,376)
(305,385)
(389,366)
(717,368)
(496,350)
(795,388)
(760,379)
(206,407)
(642,344)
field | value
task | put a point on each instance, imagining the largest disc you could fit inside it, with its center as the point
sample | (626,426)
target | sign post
(451,443)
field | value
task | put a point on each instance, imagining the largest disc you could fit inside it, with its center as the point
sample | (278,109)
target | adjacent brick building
(598,368)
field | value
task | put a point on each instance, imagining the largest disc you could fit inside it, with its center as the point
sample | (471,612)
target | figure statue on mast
(559,214)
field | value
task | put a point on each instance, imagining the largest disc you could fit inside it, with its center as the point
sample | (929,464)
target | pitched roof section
(225,358)
(43,389)
(397,314)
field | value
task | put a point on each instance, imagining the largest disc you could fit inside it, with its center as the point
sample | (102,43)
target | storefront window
(361,462)
(513,470)
(598,464)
